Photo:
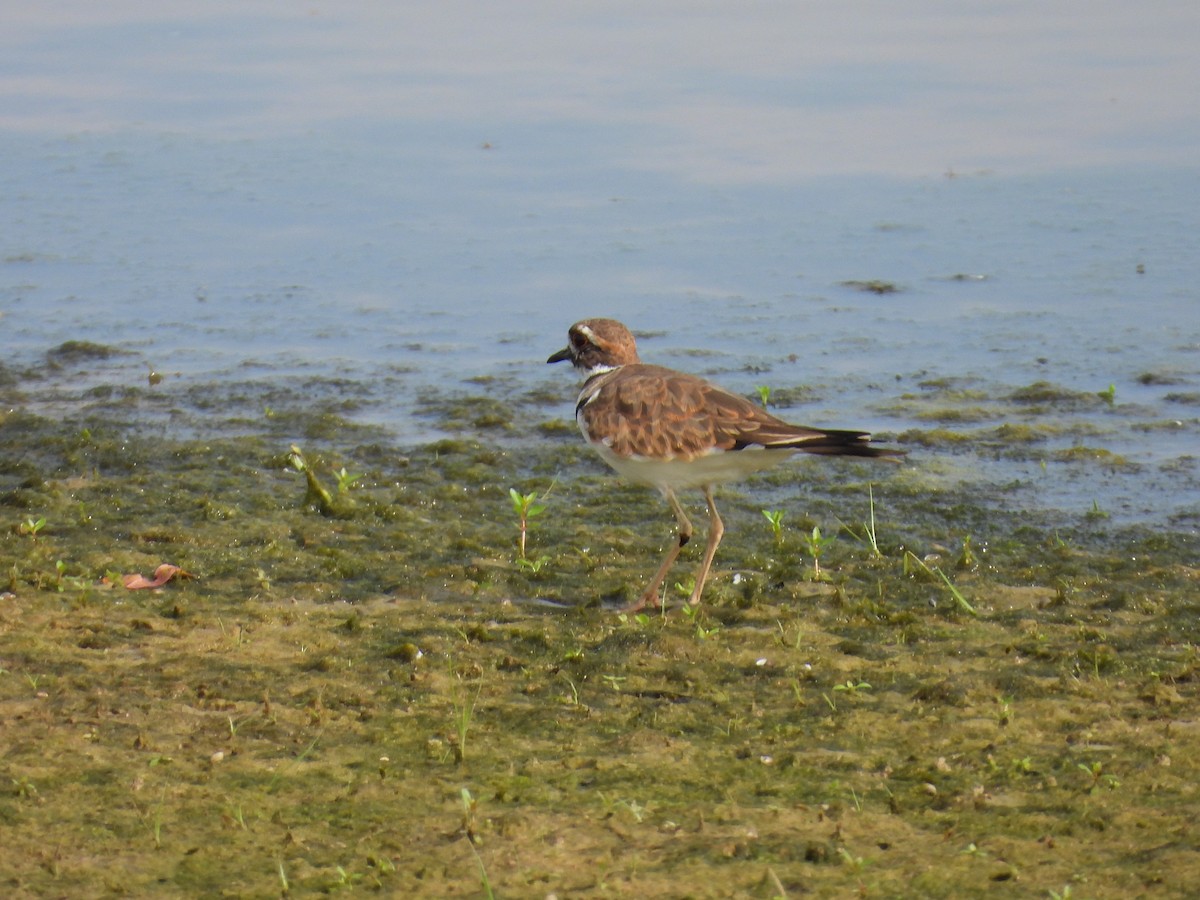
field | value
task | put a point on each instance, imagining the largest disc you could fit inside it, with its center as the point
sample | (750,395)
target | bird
(671,430)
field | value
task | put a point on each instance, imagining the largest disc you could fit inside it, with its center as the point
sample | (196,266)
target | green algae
(1044,394)
(958,414)
(789,396)
(933,437)
(1160,378)
(1098,455)
(873,286)
(309,708)
(75,352)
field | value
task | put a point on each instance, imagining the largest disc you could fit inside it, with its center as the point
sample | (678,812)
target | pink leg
(716,529)
(652,594)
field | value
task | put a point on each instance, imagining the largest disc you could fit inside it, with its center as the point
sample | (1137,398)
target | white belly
(715,468)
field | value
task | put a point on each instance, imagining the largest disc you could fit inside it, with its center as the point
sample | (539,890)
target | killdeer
(671,430)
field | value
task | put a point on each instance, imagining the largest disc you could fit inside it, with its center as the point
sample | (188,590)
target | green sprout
(469,807)
(967,558)
(702,633)
(816,546)
(464,709)
(345,480)
(775,517)
(870,526)
(316,494)
(347,879)
(32,526)
(931,571)
(852,687)
(1096,772)
(526,506)
(614,681)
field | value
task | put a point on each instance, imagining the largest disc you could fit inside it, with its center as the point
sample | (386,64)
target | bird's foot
(650,598)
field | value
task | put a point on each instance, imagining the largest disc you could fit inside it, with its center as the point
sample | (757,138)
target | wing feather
(651,411)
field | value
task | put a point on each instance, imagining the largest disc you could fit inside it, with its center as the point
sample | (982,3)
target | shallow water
(380,203)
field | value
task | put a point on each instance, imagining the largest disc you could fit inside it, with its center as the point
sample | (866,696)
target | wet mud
(372,690)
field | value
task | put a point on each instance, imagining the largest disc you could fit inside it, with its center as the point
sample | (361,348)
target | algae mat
(365,691)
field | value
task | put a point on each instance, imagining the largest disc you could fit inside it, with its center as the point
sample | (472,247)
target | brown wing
(643,410)
(739,423)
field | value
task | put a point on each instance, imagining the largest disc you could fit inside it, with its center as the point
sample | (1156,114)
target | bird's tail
(840,443)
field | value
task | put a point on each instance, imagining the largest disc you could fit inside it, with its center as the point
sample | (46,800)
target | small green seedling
(702,633)
(635,809)
(856,863)
(32,526)
(794,643)
(1096,773)
(775,518)
(816,546)
(1022,765)
(63,581)
(1108,395)
(1004,714)
(764,394)
(574,698)
(153,819)
(966,557)
(776,885)
(464,710)
(345,480)
(470,806)
(24,788)
(855,798)
(931,571)
(316,494)
(852,687)
(867,535)
(533,566)
(526,507)
(870,526)
(614,681)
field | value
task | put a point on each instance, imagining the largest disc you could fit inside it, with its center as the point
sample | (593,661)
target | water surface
(390,201)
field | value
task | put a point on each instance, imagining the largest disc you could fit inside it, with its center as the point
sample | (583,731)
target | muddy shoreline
(375,694)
